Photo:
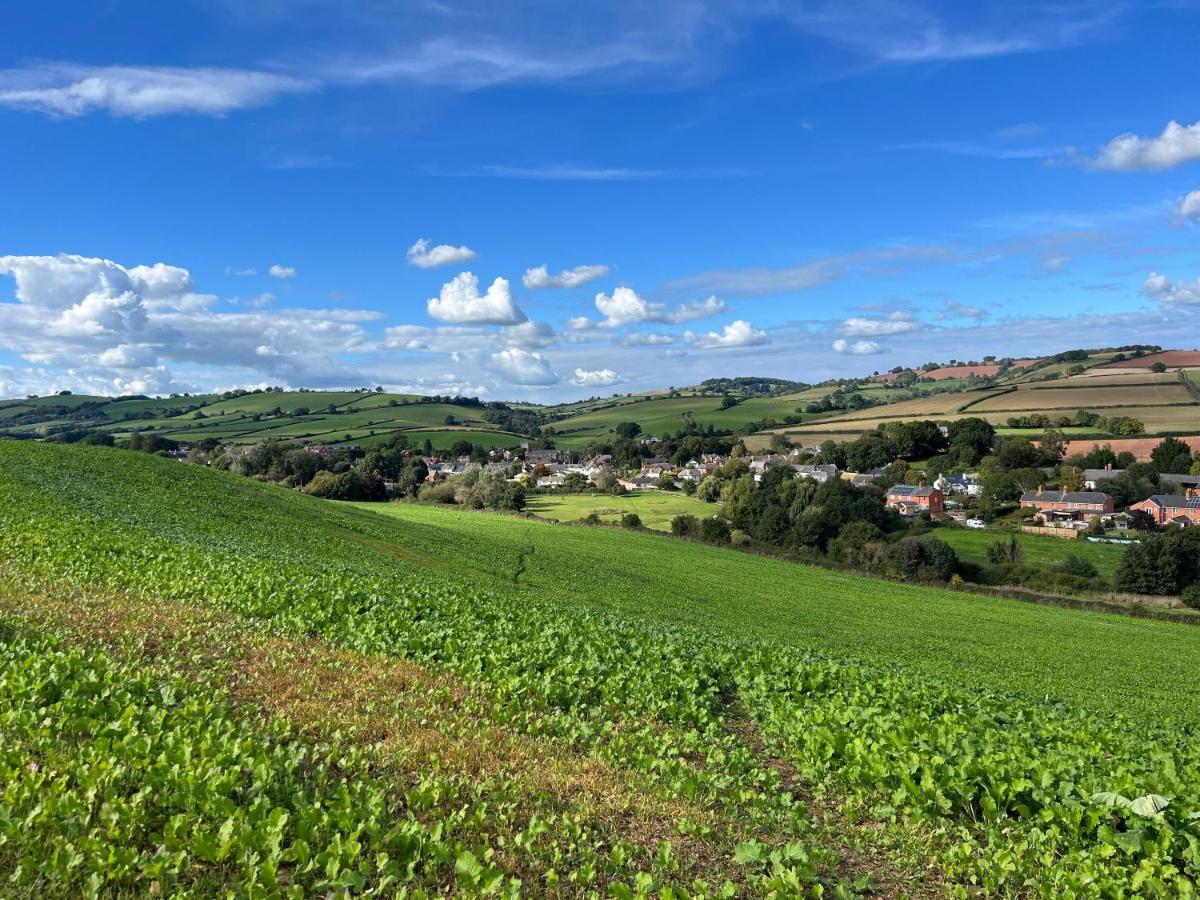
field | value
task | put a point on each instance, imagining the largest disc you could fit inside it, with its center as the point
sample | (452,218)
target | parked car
(976,523)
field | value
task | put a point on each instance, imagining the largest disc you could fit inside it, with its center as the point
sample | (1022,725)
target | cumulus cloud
(423,256)
(857,348)
(529,335)
(518,366)
(626,307)
(1178,144)
(738,333)
(579,323)
(897,323)
(461,302)
(1178,293)
(278,271)
(141,92)
(114,327)
(540,277)
(1189,207)
(595,377)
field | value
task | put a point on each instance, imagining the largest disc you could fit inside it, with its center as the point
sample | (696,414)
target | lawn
(1043,552)
(655,508)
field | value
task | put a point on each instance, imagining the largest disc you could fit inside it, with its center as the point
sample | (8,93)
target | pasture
(1039,551)
(655,508)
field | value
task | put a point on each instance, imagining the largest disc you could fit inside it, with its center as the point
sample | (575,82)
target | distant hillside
(1161,389)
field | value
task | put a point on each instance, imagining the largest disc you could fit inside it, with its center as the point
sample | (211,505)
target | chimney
(1108,467)
(1041,489)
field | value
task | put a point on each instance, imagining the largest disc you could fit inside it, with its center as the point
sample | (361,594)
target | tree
(970,440)
(715,530)
(631,520)
(98,439)
(780,443)
(685,526)
(1158,367)
(871,451)
(628,430)
(1162,564)
(1171,455)
(1072,480)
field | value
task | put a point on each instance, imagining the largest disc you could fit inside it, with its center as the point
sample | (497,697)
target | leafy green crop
(1009,789)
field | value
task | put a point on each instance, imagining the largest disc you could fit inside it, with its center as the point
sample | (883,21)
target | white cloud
(858,348)
(540,277)
(1189,207)
(530,335)
(626,307)
(897,323)
(241,272)
(424,256)
(1178,144)
(141,92)
(518,366)
(461,302)
(738,333)
(1179,293)
(646,339)
(952,309)
(579,323)
(112,328)
(1054,263)
(595,377)
(278,271)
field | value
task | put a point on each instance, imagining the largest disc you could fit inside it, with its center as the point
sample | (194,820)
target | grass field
(1042,552)
(655,690)
(655,508)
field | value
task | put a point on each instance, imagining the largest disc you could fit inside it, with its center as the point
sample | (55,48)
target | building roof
(1100,474)
(1065,496)
(909,490)
(1174,501)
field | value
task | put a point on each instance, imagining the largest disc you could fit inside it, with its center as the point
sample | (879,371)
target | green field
(658,691)
(655,508)
(1040,551)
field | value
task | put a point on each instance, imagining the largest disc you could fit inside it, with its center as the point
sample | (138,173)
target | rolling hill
(410,697)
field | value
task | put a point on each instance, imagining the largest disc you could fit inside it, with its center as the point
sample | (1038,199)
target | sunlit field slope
(947,740)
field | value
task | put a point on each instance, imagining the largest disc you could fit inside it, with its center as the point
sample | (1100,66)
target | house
(1093,477)
(1067,506)
(858,479)
(694,474)
(661,463)
(819,474)
(760,465)
(909,500)
(964,483)
(547,457)
(552,481)
(1183,483)
(1172,509)
(639,483)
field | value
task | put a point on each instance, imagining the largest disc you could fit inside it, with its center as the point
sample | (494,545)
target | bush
(685,526)
(1006,551)
(848,546)
(1191,596)
(438,492)
(715,530)
(346,486)
(631,520)
(1077,566)
(593,518)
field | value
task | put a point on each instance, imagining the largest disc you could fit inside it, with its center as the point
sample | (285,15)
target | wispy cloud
(61,89)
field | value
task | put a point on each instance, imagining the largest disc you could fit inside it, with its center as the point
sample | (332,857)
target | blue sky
(222,193)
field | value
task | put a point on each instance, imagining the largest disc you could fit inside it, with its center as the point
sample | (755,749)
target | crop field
(655,508)
(1043,552)
(1091,396)
(670,706)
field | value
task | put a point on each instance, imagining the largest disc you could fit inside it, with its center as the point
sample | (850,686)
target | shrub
(438,492)
(1006,551)
(346,486)
(631,520)
(714,530)
(685,526)
(1078,566)
(593,518)
(1191,596)
(847,547)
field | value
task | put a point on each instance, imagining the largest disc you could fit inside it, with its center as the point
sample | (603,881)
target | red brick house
(1077,505)
(1172,509)
(909,500)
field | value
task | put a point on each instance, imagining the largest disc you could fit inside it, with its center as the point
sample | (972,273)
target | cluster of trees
(864,546)
(1082,418)
(710,529)
(1166,564)
(477,489)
